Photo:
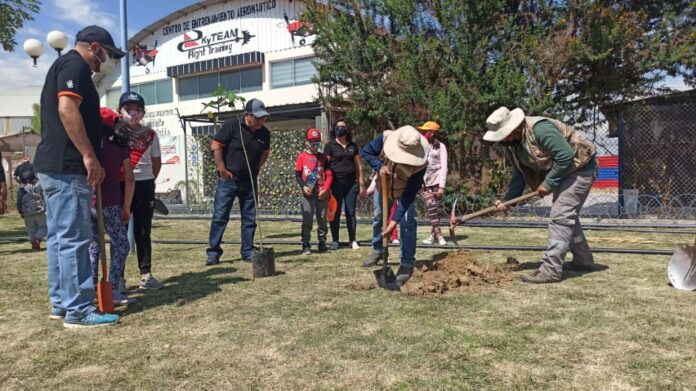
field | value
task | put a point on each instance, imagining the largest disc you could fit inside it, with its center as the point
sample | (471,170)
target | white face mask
(105,66)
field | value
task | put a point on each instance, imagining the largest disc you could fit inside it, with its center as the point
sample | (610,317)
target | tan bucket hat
(406,145)
(501,123)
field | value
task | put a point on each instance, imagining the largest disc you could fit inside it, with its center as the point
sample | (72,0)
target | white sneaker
(334,245)
(429,240)
(441,241)
(354,245)
(396,241)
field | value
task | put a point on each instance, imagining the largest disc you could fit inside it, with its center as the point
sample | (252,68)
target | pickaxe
(454,221)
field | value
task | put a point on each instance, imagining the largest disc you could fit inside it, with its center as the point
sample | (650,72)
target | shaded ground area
(458,271)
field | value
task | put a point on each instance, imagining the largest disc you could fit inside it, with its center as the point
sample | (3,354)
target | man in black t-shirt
(68,167)
(240,149)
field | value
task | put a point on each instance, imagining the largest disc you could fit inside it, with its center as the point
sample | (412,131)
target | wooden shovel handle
(100,233)
(492,209)
(385,208)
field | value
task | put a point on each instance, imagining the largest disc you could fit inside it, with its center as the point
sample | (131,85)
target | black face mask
(341,131)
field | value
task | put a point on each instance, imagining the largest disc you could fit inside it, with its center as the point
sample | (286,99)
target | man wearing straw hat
(552,158)
(403,155)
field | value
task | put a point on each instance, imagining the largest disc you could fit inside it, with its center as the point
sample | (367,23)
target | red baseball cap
(313,134)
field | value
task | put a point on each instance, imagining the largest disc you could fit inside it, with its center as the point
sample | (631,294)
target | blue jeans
(408,229)
(346,194)
(68,209)
(225,193)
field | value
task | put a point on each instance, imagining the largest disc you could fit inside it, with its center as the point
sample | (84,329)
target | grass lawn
(213,328)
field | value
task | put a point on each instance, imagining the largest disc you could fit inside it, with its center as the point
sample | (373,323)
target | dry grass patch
(215,328)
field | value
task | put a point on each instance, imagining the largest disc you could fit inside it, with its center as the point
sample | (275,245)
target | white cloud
(34,32)
(17,69)
(83,13)
(676,83)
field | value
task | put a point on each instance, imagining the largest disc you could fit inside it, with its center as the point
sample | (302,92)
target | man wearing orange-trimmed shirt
(67,162)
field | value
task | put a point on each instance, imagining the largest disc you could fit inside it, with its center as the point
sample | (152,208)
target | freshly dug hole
(458,272)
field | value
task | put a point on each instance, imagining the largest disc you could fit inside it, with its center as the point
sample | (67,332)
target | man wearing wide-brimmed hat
(552,158)
(402,154)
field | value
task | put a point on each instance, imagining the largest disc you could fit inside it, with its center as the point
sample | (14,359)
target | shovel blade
(105,297)
(682,268)
(386,279)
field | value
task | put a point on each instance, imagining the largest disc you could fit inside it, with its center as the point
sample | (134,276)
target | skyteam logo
(198,45)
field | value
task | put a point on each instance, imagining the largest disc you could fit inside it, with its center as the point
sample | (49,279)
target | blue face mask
(315,145)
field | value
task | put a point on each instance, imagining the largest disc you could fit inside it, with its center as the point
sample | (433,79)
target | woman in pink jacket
(434,181)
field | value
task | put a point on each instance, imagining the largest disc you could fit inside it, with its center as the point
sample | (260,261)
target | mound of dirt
(458,272)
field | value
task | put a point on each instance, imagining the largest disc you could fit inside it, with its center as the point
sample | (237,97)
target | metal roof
(17,102)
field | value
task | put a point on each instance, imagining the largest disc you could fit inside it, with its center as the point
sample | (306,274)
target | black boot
(403,274)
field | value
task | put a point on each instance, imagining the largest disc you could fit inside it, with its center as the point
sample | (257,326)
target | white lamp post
(33,48)
(57,40)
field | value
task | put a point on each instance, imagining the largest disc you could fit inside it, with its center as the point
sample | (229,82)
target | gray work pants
(565,231)
(310,207)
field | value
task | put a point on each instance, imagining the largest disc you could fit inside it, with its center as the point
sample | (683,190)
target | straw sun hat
(501,123)
(406,145)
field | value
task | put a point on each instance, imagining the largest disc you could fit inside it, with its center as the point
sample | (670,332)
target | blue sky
(69,16)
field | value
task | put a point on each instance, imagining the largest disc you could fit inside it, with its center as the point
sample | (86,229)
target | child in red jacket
(314,176)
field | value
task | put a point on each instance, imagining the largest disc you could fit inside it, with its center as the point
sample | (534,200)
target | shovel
(385,276)
(682,268)
(105,297)
(454,221)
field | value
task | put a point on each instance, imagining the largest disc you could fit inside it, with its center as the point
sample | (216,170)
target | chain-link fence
(647,169)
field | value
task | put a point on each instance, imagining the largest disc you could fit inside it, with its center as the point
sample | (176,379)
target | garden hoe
(682,268)
(385,276)
(454,221)
(105,298)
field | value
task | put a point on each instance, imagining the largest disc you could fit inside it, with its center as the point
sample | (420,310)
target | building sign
(199,45)
(169,150)
(165,123)
(223,30)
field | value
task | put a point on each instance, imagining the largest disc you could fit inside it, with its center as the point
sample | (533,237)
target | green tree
(13,14)
(400,61)
(36,118)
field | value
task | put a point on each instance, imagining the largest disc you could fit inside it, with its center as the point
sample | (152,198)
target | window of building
(188,88)
(199,87)
(148,91)
(207,84)
(292,72)
(156,92)
(165,92)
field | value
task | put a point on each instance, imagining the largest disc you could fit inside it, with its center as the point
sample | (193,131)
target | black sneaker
(403,274)
(323,248)
(372,260)
(212,262)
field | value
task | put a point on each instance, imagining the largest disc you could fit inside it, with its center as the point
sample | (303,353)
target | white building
(259,49)
(16,136)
